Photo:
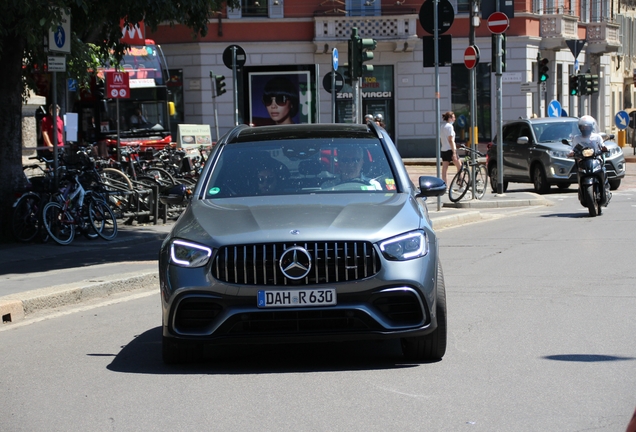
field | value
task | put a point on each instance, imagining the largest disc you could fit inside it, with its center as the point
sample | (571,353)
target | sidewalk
(36,276)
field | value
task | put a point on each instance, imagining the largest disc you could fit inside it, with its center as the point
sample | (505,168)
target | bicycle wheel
(25,222)
(459,185)
(481,181)
(160,175)
(102,219)
(59,223)
(118,188)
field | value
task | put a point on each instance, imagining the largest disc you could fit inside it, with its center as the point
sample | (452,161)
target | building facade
(295,39)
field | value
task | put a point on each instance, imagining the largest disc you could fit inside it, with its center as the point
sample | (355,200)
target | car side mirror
(523,140)
(174,195)
(431,186)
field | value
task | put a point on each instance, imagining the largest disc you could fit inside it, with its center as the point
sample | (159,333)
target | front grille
(330,262)
(298,322)
(195,314)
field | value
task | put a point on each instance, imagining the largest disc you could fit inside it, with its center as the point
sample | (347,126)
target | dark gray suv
(302,233)
(533,152)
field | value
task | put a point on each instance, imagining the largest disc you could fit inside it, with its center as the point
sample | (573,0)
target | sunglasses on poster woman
(278,99)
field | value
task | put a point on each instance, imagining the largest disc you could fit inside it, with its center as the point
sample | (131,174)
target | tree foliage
(95,27)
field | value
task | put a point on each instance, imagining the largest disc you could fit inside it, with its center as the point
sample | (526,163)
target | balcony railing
(400,29)
(556,29)
(602,37)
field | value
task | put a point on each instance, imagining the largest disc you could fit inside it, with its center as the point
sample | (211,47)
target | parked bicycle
(472,177)
(77,208)
(26,220)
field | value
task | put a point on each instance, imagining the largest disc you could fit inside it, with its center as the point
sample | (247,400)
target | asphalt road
(541,338)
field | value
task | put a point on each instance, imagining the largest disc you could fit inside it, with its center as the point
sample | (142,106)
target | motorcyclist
(590,137)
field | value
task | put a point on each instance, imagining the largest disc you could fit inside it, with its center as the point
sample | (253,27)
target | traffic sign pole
(334,63)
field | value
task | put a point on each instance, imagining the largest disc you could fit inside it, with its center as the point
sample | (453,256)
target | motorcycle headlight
(587,152)
(405,247)
(186,254)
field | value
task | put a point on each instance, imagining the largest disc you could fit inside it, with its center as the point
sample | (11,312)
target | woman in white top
(448,146)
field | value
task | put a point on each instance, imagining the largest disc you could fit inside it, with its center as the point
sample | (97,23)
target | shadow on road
(143,356)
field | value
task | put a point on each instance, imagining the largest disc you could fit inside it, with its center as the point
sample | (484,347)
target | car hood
(371,217)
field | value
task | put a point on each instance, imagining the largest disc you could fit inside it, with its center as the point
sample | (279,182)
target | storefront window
(460,101)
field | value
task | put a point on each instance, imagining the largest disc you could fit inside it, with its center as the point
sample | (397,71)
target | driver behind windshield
(350,160)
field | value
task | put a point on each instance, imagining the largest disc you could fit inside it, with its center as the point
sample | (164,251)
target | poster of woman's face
(279,97)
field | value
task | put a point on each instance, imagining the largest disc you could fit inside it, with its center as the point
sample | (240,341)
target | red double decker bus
(144,118)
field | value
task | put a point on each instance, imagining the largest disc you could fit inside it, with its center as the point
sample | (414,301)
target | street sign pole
(234,80)
(333,96)
(438,116)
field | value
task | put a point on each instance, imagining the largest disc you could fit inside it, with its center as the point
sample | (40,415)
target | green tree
(95,32)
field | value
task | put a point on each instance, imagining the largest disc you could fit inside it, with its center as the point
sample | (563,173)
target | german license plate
(297,298)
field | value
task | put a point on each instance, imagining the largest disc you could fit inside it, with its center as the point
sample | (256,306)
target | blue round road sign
(621,120)
(335,59)
(461,121)
(554,109)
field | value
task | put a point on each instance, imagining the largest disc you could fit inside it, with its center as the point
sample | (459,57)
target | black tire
(175,352)
(25,221)
(102,219)
(481,181)
(58,223)
(431,347)
(493,180)
(458,186)
(539,179)
(117,176)
(614,184)
(590,200)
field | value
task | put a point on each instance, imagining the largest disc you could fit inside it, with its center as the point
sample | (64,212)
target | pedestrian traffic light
(574,85)
(588,83)
(220,84)
(360,52)
(543,70)
(582,84)
(346,74)
(593,83)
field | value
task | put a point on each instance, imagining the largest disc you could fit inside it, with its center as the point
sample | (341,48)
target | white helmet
(587,125)
(368,118)
(379,117)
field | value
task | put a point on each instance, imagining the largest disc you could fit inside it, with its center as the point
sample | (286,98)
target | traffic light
(543,70)
(360,52)
(220,84)
(582,84)
(593,83)
(346,74)
(574,85)
(588,84)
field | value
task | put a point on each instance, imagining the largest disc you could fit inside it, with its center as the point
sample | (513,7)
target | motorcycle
(594,190)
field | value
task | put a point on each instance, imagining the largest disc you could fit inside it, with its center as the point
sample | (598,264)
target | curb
(455,220)
(14,307)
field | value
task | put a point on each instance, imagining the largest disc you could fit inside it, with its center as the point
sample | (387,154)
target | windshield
(143,64)
(555,132)
(134,116)
(286,167)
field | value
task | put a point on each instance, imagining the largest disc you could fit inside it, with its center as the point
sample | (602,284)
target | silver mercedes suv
(301,233)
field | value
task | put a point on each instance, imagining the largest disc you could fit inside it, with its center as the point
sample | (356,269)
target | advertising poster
(280,95)
(191,135)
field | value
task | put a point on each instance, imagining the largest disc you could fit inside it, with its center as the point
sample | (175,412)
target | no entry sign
(471,57)
(498,22)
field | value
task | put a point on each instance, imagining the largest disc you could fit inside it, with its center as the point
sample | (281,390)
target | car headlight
(614,150)
(405,247)
(558,154)
(186,254)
